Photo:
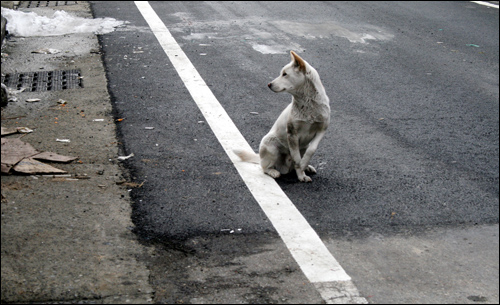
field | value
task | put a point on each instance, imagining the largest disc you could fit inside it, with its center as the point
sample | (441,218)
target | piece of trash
(472,45)
(122,158)
(98,120)
(20,157)
(201,122)
(63,140)
(56,176)
(12,130)
(32,166)
(46,51)
(11,93)
(13,151)
(119,120)
(203,54)
(84,176)
(33,100)
(62,102)
(149,128)
(254,113)
(130,184)
(24,130)
(50,156)
(231,231)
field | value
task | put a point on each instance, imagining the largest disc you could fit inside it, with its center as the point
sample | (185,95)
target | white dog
(295,135)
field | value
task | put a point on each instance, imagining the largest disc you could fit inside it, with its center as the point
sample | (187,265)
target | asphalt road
(413,140)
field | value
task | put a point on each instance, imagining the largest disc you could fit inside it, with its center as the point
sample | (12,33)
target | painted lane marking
(486,4)
(311,254)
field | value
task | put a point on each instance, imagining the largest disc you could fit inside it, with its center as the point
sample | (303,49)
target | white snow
(31,24)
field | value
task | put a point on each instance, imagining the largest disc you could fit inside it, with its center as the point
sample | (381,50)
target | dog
(295,135)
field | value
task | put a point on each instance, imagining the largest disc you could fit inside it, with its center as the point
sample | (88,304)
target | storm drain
(35,4)
(44,81)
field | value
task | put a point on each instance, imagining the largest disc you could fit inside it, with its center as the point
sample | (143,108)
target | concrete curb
(68,239)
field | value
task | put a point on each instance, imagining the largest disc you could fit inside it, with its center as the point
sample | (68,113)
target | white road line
(317,263)
(486,4)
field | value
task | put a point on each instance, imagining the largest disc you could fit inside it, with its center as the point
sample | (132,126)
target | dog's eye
(284,73)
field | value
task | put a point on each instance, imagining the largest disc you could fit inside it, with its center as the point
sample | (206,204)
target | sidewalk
(67,239)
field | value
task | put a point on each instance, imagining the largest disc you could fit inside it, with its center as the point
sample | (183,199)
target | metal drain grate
(44,81)
(35,4)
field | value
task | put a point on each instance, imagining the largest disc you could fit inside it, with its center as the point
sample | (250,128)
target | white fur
(295,135)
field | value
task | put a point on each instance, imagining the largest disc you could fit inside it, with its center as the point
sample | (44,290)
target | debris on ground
(12,130)
(123,158)
(33,100)
(21,157)
(46,51)
(9,94)
(130,184)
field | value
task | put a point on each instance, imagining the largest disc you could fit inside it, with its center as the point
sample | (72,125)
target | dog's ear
(298,62)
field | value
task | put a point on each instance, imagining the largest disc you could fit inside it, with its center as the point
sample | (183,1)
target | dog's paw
(273,173)
(310,169)
(302,175)
(305,178)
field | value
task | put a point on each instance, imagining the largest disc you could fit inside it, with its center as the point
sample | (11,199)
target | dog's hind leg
(268,157)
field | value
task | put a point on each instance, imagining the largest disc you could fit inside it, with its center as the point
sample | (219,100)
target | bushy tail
(247,156)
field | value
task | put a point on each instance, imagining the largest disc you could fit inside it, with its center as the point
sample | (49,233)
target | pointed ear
(298,62)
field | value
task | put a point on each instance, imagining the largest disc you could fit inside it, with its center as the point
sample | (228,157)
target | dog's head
(292,75)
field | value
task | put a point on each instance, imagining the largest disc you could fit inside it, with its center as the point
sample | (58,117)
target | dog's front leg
(311,149)
(293,146)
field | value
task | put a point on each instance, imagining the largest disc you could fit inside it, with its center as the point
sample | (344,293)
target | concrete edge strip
(488,4)
(311,254)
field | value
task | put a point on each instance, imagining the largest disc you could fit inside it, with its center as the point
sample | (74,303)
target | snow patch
(61,23)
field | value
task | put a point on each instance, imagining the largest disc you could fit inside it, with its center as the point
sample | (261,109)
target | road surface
(406,194)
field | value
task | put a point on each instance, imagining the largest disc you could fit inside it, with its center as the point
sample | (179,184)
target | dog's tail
(247,156)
